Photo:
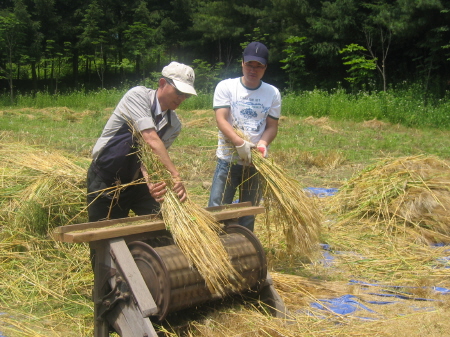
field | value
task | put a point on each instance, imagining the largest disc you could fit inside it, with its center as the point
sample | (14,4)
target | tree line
(58,45)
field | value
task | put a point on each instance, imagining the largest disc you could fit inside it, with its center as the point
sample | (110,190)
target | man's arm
(270,132)
(226,128)
(157,146)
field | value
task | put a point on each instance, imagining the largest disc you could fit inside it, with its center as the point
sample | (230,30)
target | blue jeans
(227,178)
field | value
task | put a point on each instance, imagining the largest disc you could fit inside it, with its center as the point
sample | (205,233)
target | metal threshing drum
(174,285)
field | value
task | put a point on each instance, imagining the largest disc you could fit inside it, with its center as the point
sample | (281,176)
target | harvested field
(382,268)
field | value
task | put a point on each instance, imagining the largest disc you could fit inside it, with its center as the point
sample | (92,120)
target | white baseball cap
(183,77)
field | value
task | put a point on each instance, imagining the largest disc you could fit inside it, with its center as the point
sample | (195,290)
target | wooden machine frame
(128,306)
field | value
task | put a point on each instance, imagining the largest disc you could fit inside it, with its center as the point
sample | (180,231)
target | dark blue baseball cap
(256,51)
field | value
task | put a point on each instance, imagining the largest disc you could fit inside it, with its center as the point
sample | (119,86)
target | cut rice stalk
(288,206)
(194,230)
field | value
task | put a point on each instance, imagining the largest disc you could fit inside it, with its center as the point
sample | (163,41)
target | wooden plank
(129,270)
(101,224)
(128,322)
(228,206)
(101,328)
(237,213)
(108,233)
(126,318)
(112,222)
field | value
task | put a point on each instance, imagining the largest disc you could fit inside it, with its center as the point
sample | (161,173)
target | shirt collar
(158,109)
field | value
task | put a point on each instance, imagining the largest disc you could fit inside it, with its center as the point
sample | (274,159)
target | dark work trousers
(112,205)
(134,198)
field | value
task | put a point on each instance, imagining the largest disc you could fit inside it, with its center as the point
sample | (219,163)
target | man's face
(170,97)
(253,71)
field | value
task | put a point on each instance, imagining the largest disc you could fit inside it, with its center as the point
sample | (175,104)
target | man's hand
(179,188)
(263,149)
(157,190)
(245,151)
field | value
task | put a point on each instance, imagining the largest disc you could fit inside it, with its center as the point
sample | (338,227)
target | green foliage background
(60,46)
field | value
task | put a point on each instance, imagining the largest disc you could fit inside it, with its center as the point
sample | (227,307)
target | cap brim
(184,87)
(249,58)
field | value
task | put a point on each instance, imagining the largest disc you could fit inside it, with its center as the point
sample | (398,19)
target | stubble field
(396,279)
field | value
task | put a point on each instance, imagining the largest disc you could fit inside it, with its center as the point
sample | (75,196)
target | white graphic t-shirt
(249,110)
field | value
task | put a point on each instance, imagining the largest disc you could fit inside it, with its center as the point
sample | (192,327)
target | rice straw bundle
(194,230)
(288,206)
(406,195)
(40,189)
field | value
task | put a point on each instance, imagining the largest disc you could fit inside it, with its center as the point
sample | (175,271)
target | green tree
(361,64)
(294,61)
(216,21)
(11,36)
(206,75)
(446,29)
(32,42)
(256,35)
(140,37)
(57,60)
(93,39)
(379,26)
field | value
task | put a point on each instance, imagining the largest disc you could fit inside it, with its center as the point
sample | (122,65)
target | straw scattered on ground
(322,123)
(40,189)
(375,124)
(406,196)
(45,288)
(328,160)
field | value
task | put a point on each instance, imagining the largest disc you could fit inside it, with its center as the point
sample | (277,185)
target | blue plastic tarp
(441,290)
(321,192)
(343,305)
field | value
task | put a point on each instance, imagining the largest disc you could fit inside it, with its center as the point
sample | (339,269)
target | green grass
(93,100)
(406,106)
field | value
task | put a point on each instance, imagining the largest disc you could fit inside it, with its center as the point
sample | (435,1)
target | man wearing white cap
(253,107)
(114,155)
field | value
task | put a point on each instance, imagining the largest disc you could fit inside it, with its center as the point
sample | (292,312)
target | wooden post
(101,327)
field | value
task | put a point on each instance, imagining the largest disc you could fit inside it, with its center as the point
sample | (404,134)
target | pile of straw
(40,189)
(45,286)
(289,207)
(194,230)
(406,195)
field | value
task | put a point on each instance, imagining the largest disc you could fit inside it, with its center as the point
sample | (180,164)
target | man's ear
(162,82)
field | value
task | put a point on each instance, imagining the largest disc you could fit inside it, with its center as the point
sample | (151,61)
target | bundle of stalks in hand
(194,230)
(406,195)
(288,206)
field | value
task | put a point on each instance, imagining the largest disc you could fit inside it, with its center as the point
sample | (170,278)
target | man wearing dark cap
(253,107)
(115,162)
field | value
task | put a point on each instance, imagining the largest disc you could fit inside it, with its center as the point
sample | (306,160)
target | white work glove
(245,151)
(263,149)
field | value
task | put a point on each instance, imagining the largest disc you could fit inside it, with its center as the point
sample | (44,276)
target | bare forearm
(270,132)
